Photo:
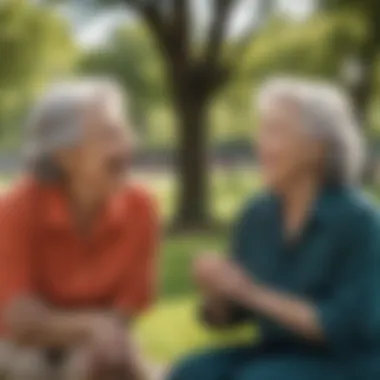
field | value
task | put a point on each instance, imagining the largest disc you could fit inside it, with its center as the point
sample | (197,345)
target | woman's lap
(246,363)
(289,368)
(217,364)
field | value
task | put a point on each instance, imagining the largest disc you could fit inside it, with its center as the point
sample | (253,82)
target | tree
(198,66)
(198,63)
(367,54)
(307,48)
(36,45)
(366,58)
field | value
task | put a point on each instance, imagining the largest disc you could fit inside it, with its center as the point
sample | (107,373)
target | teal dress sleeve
(349,315)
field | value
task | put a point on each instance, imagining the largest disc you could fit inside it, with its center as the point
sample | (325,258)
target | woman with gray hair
(77,243)
(305,255)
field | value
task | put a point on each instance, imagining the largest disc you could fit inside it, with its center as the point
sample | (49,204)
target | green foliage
(316,47)
(366,6)
(35,45)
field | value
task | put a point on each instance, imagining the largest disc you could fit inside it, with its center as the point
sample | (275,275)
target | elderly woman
(305,258)
(77,243)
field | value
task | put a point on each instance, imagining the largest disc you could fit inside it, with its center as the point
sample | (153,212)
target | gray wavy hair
(56,121)
(328,116)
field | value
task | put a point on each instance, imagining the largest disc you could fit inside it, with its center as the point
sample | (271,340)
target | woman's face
(285,150)
(101,158)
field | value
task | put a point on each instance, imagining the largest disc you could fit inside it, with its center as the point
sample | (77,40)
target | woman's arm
(226,279)
(30,322)
(291,312)
(346,316)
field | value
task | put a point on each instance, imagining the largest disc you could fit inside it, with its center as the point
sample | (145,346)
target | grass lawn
(176,257)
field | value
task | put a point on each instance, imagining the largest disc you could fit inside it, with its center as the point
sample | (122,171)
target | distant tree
(366,57)
(35,45)
(308,48)
(365,61)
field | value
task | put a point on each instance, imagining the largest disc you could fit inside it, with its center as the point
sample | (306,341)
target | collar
(323,207)
(57,210)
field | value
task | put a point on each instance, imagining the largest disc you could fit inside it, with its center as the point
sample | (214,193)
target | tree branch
(170,33)
(181,13)
(154,19)
(136,4)
(217,31)
(149,11)
(180,26)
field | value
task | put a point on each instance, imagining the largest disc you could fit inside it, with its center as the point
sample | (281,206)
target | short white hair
(328,115)
(56,120)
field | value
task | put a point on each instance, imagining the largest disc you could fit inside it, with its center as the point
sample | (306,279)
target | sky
(93,28)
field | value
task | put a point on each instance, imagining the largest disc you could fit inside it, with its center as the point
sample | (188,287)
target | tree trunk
(192,164)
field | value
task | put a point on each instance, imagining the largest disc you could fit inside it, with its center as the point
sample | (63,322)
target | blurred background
(190,68)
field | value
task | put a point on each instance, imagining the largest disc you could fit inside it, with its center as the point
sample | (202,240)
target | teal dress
(335,264)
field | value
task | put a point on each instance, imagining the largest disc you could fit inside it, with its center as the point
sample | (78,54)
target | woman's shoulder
(138,191)
(258,206)
(21,192)
(139,198)
(19,203)
(357,204)
(356,212)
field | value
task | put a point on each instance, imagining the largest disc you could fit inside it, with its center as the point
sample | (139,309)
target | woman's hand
(106,339)
(221,278)
(215,312)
